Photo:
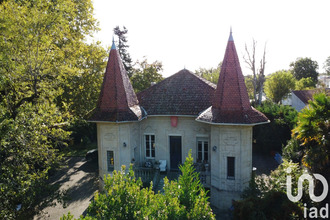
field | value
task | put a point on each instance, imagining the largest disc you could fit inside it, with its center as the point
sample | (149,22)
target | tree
(327,66)
(305,67)
(310,143)
(40,44)
(122,49)
(145,74)
(305,83)
(266,198)
(278,85)
(249,86)
(211,74)
(313,132)
(272,136)
(182,199)
(258,78)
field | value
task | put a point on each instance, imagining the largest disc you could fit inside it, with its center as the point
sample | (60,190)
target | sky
(193,34)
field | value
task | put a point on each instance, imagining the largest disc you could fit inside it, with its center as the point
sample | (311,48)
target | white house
(183,112)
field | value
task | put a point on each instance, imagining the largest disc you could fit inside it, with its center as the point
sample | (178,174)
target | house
(300,98)
(324,79)
(181,113)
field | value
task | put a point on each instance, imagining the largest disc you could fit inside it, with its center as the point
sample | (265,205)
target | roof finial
(231,35)
(113,47)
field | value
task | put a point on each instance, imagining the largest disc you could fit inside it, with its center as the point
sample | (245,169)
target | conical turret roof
(231,102)
(117,101)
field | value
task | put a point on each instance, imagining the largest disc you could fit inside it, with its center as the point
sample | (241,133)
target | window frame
(110,164)
(231,168)
(203,140)
(151,148)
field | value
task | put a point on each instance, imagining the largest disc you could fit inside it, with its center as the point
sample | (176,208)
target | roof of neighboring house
(183,93)
(231,102)
(117,100)
(306,95)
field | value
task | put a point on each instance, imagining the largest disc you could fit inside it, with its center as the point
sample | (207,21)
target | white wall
(160,126)
(297,103)
(231,141)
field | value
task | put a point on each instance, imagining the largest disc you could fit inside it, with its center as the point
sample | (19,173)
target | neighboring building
(325,79)
(300,98)
(181,113)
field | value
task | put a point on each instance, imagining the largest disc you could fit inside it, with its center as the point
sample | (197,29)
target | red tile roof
(231,101)
(183,93)
(117,101)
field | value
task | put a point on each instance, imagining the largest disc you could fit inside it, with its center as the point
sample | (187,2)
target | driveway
(79,178)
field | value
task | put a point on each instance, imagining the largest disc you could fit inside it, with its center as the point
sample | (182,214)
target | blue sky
(194,34)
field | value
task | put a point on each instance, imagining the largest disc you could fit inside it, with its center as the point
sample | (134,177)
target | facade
(183,112)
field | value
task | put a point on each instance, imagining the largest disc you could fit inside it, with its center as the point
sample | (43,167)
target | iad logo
(324,212)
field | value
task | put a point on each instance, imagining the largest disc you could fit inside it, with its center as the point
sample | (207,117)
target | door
(175,152)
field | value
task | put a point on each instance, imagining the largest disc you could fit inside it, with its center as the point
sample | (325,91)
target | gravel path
(80,179)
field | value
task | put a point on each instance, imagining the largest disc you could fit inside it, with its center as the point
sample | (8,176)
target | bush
(266,198)
(125,198)
(272,136)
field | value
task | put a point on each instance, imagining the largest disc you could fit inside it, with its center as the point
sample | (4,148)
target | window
(150,145)
(110,161)
(203,151)
(230,167)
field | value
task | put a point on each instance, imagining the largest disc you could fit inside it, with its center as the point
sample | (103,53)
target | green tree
(29,145)
(305,83)
(313,133)
(40,44)
(250,87)
(145,74)
(122,49)
(266,198)
(310,143)
(304,68)
(184,198)
(272,136)
(278,85)
(211,74)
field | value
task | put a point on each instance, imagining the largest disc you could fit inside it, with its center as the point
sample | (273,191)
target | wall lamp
(214,148)
(124,144)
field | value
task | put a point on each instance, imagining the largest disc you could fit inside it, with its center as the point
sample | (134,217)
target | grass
(78,150)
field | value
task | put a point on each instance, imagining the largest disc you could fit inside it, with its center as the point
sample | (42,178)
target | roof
(306,95)
(117,100)
(231,102)
(183,93)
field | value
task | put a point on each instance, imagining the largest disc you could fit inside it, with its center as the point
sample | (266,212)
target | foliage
(122,49)
(44,63)
(313,134)
(310,143)
(304,84)
(145,74)
(266,197)
(211,74)
(81,84)
(275,134)
(326,66)
(27,153)
(250,87)
(126,199)
(278,85)
(304,68)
